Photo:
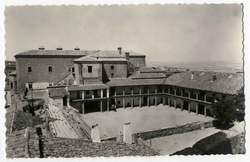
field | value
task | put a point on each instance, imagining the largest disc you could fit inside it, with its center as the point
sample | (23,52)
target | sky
(164,33)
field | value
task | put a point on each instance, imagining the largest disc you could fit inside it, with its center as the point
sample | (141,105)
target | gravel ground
(145,118)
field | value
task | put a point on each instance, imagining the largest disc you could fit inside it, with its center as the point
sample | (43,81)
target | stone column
(205,110)
(140,91)
(205,97)
(197,108)
(164,100)
(108,104)
(148,90)
(95,135)
(169,102)
(123,92)
(127,135)
(189,106)
(188,93)
(68,103)
(132,102)
(132,91)
(148,101)
(101,93)
(83,95)
(140,102)
(107,93)
(182,105)
(101,105)
(115,102)
(123,103)
(196,95)
(175,103)
(155,101)
(83,109)
(156,90)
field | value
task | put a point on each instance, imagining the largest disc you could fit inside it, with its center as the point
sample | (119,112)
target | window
(89,69)
(50,68)
(87,92)
(30,85)
(119,102)
(29,69)
(71,69)
(50,84)
(112,75)
(112,67)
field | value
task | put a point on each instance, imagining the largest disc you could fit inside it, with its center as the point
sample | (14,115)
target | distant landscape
(218,66)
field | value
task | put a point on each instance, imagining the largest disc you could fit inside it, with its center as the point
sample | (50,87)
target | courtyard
(141,119)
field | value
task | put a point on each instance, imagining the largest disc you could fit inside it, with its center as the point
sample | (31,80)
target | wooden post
(26,138)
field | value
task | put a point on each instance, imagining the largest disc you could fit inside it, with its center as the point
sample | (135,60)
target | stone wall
(40,71)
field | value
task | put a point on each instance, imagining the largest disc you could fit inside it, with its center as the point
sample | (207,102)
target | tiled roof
(151,70)
(147,76)
(102,56)
(106,53)
(132,53)
(56,53)
(86,58)
(57,92)
(87,87)
(227,83)
(133,82)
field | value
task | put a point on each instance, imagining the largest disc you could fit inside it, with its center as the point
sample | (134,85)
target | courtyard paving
(142,119)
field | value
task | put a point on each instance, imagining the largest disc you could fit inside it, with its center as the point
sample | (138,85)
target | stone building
(100,80)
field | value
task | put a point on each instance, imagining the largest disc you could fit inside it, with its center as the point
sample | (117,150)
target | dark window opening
(73,69)
(50,69)
(119,102)
(30,85)
(29,69)
(89,69)
(87,92)
(112,75)
(112,67)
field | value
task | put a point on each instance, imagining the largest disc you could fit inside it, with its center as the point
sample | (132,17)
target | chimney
(77,48)
(119,50)
(127,55)
(41,48)
(59,48)
(192,75)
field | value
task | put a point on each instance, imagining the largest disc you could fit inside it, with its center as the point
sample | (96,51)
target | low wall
(173,130)
(178,129)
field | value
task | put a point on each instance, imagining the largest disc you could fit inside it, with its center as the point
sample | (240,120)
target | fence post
(26,138)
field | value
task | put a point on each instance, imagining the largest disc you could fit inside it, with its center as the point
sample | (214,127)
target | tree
(224,111)
(239,102)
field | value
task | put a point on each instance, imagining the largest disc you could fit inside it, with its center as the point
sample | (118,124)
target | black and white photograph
(108,81)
